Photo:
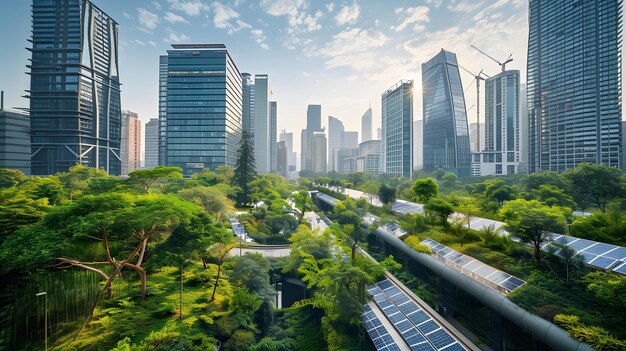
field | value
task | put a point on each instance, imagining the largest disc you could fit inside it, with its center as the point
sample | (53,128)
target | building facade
(446,135)
(366,125)
(292,155)
(151,149)
(335,142)
(130,146)
(418,142)
(314,124)
(262,123)
(75,107)
(318,152)
(574,84)
(397,129)
(247,91)
(203,107)
(272,136)
(282,159)
(15,140)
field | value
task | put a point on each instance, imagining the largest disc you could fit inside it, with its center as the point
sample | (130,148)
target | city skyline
(330,48)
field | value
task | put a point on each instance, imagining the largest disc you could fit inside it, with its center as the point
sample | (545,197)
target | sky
(340,54)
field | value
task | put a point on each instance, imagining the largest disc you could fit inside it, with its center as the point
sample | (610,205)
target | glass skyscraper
(203,107)
(574,83)
(446,137)
(151,153)
(74,88)
(248,103)
(313,124)
(397,126)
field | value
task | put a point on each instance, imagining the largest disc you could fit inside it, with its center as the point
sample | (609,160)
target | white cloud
(140,42)
(227,18)
(435,3)
(330,7)
(466,6)
(297,17)
(173,36)
(156,5)
(353,48)
(283,7)
(259,37)
(173,18)
(147,19)
(348,14)
(306,74)
(151,43)
(190,7)
(127,15)
(415,16)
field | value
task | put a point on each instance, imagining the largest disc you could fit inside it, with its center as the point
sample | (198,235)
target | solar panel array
(600,255)
(406,207)
(489,276)
(237,227)
(415,326)
(377,331)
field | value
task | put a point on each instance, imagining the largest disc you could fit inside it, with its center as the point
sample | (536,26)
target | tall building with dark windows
(446,137)
(248,103)
(14,139)
(203,107)
(272,136)
(151,151)
(162,136)
(574,83)
(262,124)
(74,88)
(397,129)
(313,124)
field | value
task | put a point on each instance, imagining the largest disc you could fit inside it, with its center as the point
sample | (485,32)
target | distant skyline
(340,54)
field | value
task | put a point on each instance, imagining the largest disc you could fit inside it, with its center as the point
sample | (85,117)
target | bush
(596,337)
(414,242)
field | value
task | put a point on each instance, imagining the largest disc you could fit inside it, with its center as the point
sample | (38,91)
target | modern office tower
(623,145)
(368,159)
(247,87)
(344,157)
(574,84)
(397,125)
(272,136)
(351,140)
(500,155)
(288,139)
(335,141)
(446,139)
(262,123)
(282,159)
(379,133)
(523,130)
(314,124)
(203,107)
(162,136)
(473,136)
(14,139)
(74,91)
(130,146)
(318,152)
(366,125)
(151,150)
(418,142)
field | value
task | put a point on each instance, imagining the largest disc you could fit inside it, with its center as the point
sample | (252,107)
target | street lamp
(45,322)
(180,316)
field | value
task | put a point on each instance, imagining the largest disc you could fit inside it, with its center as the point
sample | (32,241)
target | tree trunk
(217,280)
(354,250)
(204,263)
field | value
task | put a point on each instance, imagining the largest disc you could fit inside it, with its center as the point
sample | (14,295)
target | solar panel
(377,332)
(490,276)
(595,254)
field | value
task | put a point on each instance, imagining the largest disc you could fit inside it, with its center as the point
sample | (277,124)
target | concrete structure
(351,140)
(366,125)
(247,93)
(367,160)
(282,159)
(318,152)
(130,146)
(272,136)
(446,135)
(397,129)
(343,154)
(74,90)
(151,150)
(314,124)
(335,142)
(262,124)
(473,136)
(14,139)
(418,145)
(201,122)
(288,139)
(523,130)
(574,84)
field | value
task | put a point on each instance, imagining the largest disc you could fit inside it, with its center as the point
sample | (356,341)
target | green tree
(439,210)
(598,184)
(210,199)
(225,173)
(426,189)
(218,252)
(302,200)
(10,178)
(598,338)
(468,207)
(371,189)
(567,259)
(535,180)
(498,190)
(18,210)
(77,178)
(157,175)
(245,170)
(386,194)
(252,271)
(533,222)
(553,196)
(449,180)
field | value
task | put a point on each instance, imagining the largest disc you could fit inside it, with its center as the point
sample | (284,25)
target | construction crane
(502,64)
(477,77)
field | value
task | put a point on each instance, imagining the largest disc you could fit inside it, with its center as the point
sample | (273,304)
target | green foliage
(426,189)
(598,338)
(439,210)
(211,199)
(271,344)
(608,227)
(386,194)
(598,184)
(9,178)
(608,288)
(18,210)
(414,243)
(241,340)
(146,178)
(245,170)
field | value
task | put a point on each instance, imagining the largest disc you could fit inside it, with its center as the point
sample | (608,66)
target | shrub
(414,243)
(596,337)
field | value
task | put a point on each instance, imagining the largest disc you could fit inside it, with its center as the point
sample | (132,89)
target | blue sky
(341,54)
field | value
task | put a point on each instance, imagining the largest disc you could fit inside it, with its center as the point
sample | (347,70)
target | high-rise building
(335,141)
(162,136)
(151,150)
(366,125)
(574,84)
(418,142)
(282,159)
(14,139)
(351,140)
(397,125)
(446,137)
(262,124)
(523,130)
(314,124)
(473,136)
(74,91)
(368,159)
(501,154)
(203,107)
(272,136)
(130,146)
(247,89)
(318,152)
(623,144)
(288,139)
